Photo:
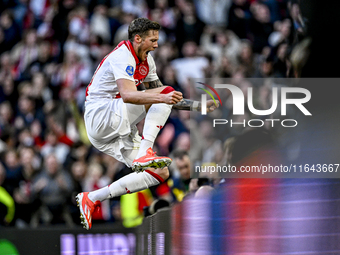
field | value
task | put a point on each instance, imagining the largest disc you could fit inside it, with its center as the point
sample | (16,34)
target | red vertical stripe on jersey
(130,47)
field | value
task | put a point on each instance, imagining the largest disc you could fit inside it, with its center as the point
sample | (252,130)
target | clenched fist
(211,106)
(173,97)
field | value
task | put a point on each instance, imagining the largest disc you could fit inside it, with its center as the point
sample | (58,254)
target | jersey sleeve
(123,69)
(152,75)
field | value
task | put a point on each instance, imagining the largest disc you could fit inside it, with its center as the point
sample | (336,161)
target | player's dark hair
(141,27)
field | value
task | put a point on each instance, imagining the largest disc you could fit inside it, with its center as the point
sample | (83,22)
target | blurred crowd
(49,50)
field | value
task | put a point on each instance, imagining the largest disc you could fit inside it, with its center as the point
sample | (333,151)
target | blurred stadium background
(49,50)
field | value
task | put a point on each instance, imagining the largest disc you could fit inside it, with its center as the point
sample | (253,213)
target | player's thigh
(135,113)
(100,121)
(106,121)
(122,149)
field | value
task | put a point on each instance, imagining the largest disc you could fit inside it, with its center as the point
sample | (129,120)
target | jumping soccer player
(124,90)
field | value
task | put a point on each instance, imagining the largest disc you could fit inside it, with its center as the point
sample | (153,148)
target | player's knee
(163,173)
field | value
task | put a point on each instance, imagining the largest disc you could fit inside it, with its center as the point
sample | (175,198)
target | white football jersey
(121,63)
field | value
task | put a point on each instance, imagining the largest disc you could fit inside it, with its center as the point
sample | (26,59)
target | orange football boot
(87,208)
(150,160)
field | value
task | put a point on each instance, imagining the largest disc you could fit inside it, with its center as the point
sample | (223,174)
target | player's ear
(138,38)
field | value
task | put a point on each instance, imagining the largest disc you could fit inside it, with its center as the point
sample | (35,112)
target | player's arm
(153,84)
(184,104)
(130,94)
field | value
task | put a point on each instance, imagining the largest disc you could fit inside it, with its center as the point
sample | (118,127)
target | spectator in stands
(52,145)
(2,41)
(39,8)
(260,27)
(238,18)
(53,187)
(228,148)
(281,33)
(225,69)
(7,67)
(10,29)
(111,165)
(189,27)
(25,138)
(166,15)
(183,141)
(163,56)
(213,13)
(40,90)
(8,91)
(7,140)
(180,185)
(274,8)
(79,152)
(27,112)
(191,65)
(73,73)
(79,25)
(6,116)
(122,31)
(299,22)
(226,44)
(281,63)
(212,146)
(23,15)
(60,21)
(45,29)
(25,52)
(13,169)
(25,203)
(246,58)
(265,69)
(44,60)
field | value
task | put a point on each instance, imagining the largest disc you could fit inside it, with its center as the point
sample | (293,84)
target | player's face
(149,43)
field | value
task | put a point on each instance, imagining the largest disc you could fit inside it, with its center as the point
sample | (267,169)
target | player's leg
(104,138)
(135,181)
(105,124)
(130,183)
(155,119)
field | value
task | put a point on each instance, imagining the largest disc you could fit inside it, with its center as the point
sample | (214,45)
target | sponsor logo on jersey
(129,70)
(143,70)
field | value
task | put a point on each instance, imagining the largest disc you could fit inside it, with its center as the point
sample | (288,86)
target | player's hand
(211,106)
(173,97)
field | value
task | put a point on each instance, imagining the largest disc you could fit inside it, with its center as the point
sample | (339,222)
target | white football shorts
(111,128)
